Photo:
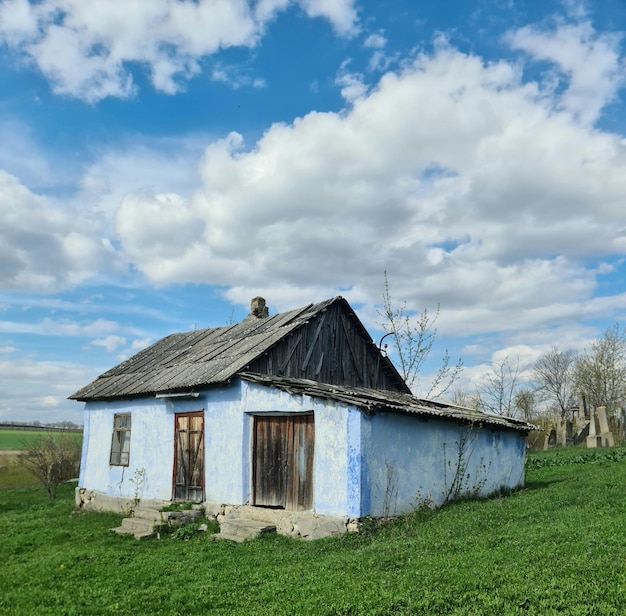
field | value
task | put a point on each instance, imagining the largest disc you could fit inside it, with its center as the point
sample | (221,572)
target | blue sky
(163,162)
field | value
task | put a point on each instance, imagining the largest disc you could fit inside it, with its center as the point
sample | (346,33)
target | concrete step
(138,525)
(243,527)
(146,513)
(220,536)
(121,530)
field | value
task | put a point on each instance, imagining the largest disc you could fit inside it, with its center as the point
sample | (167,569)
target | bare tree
(553,373)
(498,387)
(412,338)
(53,458)
(524,402)
(465,398)
(600,373)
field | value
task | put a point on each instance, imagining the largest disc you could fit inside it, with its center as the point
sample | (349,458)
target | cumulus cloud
(590,62)
(45,246)
(87,50)
(470,185)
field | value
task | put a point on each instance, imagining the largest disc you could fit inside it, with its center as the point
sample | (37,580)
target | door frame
(297,495)
(200,449)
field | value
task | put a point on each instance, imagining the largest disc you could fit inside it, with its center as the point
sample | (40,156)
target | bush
(52,458)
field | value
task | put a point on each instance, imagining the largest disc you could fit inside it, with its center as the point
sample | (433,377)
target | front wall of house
(412,462)
(228,424)
(149,469)
(330,462)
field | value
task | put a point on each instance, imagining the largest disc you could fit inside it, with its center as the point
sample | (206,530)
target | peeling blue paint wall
(412,462)
(379,465)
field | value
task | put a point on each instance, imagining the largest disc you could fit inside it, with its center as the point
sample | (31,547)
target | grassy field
(12,473)
(16,440)
(556,547)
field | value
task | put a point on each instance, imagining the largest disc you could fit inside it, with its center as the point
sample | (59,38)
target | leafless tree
(498,387)
(524,402)
(53,458)
(465,398)
(553,374)
(600,372)
(412,337)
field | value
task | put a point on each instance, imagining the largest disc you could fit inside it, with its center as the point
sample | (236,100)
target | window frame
(120,455)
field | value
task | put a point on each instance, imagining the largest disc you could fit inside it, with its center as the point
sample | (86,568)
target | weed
(138,479)
(186,531)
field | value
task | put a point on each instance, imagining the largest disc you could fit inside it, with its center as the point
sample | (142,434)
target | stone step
(120,530)
(219,536)
(147,513)
(138,525)
(243,527)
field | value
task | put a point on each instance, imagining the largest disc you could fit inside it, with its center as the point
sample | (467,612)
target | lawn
(556,547)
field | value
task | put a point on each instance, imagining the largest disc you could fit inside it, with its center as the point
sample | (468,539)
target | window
(120,445)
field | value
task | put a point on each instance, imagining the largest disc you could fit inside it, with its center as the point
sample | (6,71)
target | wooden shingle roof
(183,362)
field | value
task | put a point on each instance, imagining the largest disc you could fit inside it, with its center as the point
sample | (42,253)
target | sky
(164,161)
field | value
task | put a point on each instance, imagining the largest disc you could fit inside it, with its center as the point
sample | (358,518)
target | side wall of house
(408,462)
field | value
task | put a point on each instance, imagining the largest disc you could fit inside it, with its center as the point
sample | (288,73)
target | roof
(374,400)
(205,357)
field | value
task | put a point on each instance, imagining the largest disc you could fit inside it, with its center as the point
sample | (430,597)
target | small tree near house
(53,458)
(412,338)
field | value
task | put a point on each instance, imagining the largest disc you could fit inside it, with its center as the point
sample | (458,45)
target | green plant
(185,531)
(461,484)
(554,547)
(138,479)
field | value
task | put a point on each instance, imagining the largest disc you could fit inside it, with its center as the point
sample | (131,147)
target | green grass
(16,440)
(556,547)
(13,474)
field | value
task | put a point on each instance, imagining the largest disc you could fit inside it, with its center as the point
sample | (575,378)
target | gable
(319,341)
(332,347)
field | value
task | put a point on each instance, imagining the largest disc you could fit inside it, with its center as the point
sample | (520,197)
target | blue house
(296,418)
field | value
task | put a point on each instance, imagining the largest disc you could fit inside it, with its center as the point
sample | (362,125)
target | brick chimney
(258,308)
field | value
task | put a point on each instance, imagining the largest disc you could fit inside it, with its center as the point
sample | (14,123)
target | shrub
(52,458)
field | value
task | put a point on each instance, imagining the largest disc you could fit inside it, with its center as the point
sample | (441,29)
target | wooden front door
(189,456)
(283,461)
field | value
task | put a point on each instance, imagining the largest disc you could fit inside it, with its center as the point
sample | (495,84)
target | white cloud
(46,246)
(48,384)
(589,60)
(375,41)
(352,85)
(456,176)
(51,327)
(86,49)
(110,343)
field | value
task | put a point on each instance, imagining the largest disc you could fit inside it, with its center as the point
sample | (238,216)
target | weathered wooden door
(283,461)
(189,456)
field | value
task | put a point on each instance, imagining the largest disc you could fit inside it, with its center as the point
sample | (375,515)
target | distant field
(16,440)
